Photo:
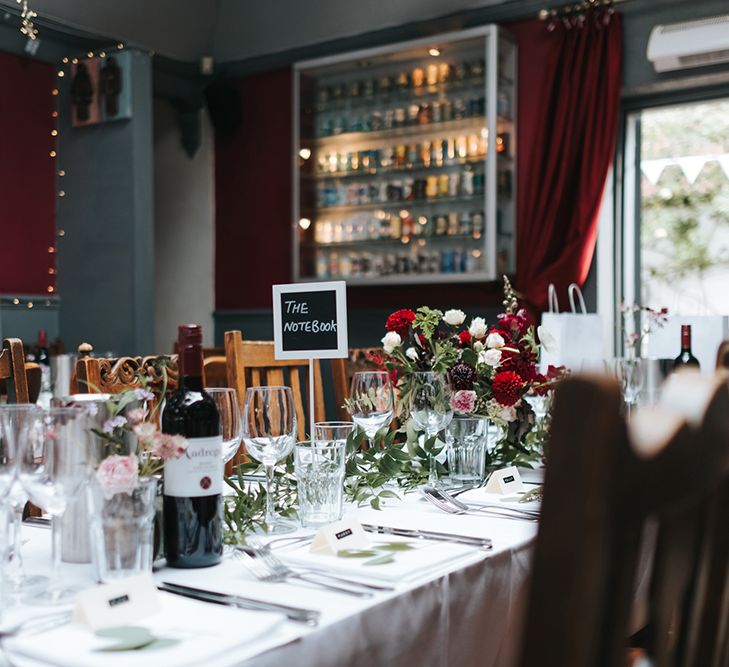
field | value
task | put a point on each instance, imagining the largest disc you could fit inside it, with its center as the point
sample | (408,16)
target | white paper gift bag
(707,333)
(577,336)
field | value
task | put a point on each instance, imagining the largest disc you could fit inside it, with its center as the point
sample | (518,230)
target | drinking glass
(226,401)
(630,373)
(372,403)
(269,433)
(8,474)
(13,419)
(319,467)
(333,431)
(53,466)
(466,442)
(430,408)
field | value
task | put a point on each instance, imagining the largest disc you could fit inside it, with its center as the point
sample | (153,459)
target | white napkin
(480,497)
(204,630)
(423,560)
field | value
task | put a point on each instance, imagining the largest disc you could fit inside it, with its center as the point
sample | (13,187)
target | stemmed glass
(53,466)
(13,419)
(226,400)
(269,433)
(8,474)
(630,373)
(371,403)
(430,408)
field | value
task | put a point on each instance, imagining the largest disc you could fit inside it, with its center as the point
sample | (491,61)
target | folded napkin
(423,560)
(204,631)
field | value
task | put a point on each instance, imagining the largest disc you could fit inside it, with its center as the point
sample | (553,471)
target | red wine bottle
(685,358)
(193,484)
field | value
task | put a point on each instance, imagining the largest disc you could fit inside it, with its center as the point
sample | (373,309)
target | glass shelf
(416,204)
(411,243)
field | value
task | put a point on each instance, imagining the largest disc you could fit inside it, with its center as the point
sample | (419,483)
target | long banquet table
(468,613)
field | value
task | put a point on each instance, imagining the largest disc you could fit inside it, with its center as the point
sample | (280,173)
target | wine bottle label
(198,472)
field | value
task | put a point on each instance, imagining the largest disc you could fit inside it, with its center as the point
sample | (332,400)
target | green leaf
(375,503)
(129,638)
(398,454)
(394,546)
(381,560)
(356,553)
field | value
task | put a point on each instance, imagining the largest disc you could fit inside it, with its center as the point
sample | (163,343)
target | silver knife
(307,616)
(482,542)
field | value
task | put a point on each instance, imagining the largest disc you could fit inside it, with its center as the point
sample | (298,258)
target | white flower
(490,357)
(454,317)
(494,340)
(478,346)
(411,353)
(508,414)
(547,340)
(478,327)
(391,341)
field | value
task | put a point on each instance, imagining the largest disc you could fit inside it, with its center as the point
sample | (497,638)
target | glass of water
(319,468)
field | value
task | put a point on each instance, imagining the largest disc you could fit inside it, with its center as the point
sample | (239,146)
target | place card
(347,533)
(505,482)
(118,603)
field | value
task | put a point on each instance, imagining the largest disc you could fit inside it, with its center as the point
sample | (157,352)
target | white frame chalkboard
(342,349)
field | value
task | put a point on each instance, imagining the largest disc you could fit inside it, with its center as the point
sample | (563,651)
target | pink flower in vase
(118,474)
(464,401)
(168,447)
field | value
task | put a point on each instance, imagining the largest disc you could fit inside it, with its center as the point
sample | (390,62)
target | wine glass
(430,408)
(371,403)
(8,475)
(53,466)
(226,400)
(13,419)
(269,433)
(630,373)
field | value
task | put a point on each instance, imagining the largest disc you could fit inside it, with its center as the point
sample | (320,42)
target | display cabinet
(404,162)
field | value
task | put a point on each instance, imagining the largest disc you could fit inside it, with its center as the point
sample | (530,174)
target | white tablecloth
(467,614)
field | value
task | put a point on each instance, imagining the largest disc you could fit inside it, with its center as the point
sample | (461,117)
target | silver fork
(262,570)
(437,499)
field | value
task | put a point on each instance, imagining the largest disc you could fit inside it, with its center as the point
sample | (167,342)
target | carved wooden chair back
(344,369)
(114,375)
(13,371)
(722,355)
(252,364)
(215,371)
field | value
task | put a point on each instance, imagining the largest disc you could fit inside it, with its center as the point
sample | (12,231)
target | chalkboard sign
(310,320)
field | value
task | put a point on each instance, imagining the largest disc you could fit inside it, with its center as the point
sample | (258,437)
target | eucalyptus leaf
(129,638)
(356,553)
(394,546)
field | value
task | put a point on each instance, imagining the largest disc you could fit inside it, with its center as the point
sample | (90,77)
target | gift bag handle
(573,289)
(552,299)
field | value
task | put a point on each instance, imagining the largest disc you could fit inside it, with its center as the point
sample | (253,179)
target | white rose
(490,357)
(494,340)
(411,353)
(478,346)
(454,317)
(547,340)
(390,341)
(478,327)
(508,414)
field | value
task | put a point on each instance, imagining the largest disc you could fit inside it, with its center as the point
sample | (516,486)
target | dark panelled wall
(27,175)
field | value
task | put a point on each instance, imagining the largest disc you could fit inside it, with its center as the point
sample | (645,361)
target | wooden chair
(602,483)
(13,371)
(344,369)
(252,364)
(722,355)
(114,375)
(215,371)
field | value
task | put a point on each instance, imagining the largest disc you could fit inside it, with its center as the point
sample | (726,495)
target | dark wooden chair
(603,481)
(13,371)
(252,364)
(722,355)
(215,371)
(344,369)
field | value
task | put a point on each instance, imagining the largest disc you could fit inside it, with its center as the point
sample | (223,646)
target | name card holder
(346,533)
(118,603)
(505,482)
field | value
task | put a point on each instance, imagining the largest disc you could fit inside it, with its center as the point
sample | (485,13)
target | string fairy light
(27,26)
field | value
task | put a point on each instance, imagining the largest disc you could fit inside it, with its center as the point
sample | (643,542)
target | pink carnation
(137,415)
(118,474)
(168,447)
(464,401)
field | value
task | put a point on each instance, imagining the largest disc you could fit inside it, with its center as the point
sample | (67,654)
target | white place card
(505,482)
(347,533)
(118,603)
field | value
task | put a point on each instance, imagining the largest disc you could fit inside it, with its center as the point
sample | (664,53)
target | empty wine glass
(269,433)
(53,466)
(430,408)
(630,373)
(371,403)
(13,419)
(226,400)
(8,474)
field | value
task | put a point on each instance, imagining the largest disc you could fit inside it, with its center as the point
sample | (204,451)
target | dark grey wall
(106,257)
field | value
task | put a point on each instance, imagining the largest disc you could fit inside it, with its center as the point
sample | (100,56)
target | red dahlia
(507,387)
(465,338)
(400,322)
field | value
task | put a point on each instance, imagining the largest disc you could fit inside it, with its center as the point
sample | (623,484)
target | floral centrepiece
(492,368)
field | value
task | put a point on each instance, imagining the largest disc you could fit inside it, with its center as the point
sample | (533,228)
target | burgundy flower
(464,338)
(462,376)
(400,322)
(521,360)
(507,388)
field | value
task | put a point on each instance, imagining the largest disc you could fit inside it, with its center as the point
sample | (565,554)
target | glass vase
(466,441)
(122,530)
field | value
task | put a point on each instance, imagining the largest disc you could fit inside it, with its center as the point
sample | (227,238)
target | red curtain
(568,114)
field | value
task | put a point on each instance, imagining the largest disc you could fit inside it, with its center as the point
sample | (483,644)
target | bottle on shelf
(193,484)
(44,361)
(685,357)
